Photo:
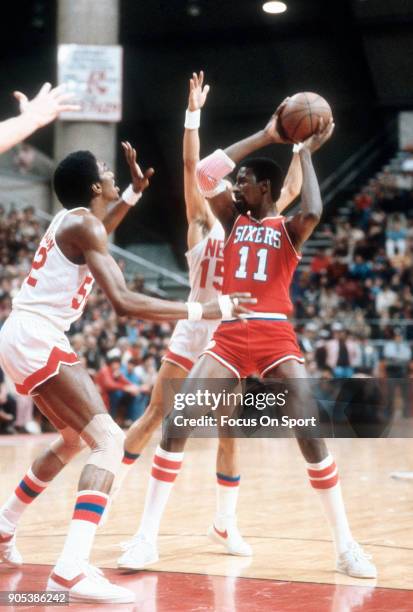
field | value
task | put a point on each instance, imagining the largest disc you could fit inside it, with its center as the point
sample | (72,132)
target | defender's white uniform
(32,340)
(206,270)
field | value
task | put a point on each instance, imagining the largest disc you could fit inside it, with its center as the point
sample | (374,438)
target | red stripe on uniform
(56,358)
(86,515)
(67,583)
(35,487)
(227,483)
(92,499)
(167,463)
(26,499)
(321,473)
(179,360)
(164,476)
(325,484)
(128,461)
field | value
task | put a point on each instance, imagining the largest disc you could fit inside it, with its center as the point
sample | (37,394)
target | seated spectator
(113,385)
(397,355)
(320,262)
(368,358)
(385,298)
(135,405)
(396,235)
(360,269)
(342,353)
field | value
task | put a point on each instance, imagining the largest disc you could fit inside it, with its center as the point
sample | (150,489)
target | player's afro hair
(266,169)
(74,177)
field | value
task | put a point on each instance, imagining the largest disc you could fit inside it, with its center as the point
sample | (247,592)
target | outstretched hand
(320,137)
(47,105)
(140,180)
(198,92)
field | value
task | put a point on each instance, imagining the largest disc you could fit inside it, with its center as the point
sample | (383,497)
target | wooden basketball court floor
(279,514)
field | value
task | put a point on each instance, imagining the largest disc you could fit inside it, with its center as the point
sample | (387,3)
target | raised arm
(301,226)
(139,182)
(198,213)
(36,113)
(91,237)
(212,169)
(292,184)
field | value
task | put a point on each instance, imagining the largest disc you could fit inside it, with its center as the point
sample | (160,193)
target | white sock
(88,510)
(165,469)
(25,493)
(324,478)
(227,497)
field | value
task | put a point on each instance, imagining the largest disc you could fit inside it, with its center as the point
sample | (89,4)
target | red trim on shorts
(225,363)
(182,362)
(298,358)
(57,357)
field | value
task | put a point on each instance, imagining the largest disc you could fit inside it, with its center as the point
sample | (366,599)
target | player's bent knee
(106,440)
(67,445)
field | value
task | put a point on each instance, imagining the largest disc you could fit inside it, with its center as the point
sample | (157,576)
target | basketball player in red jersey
(261,253)
(205,260)
(37,356)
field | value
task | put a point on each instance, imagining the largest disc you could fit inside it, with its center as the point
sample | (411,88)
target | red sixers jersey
(259,257)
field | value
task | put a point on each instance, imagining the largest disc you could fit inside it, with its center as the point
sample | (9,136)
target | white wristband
(195,311)
(226,306)
(192,119)
(297,147)
(130,197)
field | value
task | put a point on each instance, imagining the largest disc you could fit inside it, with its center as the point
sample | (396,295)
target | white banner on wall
(94,74)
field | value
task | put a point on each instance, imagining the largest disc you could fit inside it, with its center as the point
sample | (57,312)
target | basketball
(300,117)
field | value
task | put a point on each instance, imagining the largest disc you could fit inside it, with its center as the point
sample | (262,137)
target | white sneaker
(139,553)
(231,539)
(402,475)
(89,585)
(355,562)
(9,554)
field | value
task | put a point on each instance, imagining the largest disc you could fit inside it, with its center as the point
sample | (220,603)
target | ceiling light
(274,7)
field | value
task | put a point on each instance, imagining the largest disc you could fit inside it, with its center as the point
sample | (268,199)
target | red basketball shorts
(251,346)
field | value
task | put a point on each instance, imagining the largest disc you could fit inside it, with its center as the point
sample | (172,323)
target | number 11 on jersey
(260,273)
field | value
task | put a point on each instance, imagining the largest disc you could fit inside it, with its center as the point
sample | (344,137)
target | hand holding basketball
(272,128)
(300,115)
(323,133)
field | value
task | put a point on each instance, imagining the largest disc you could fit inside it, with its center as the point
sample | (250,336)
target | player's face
(247,192)
(110,191)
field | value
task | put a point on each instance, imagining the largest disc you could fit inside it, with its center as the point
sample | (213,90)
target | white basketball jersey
(206,265)
(56,288)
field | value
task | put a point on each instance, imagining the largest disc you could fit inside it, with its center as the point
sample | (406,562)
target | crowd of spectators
(353,305)
(361,287)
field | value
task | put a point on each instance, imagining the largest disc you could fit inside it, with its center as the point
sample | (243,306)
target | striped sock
(89,508)
(324,478)
(227,497)
(165,469)
(26,492)
(129,458)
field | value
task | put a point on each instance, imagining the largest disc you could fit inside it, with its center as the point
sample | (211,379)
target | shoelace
(126,544)
(94,573)
(359,553)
